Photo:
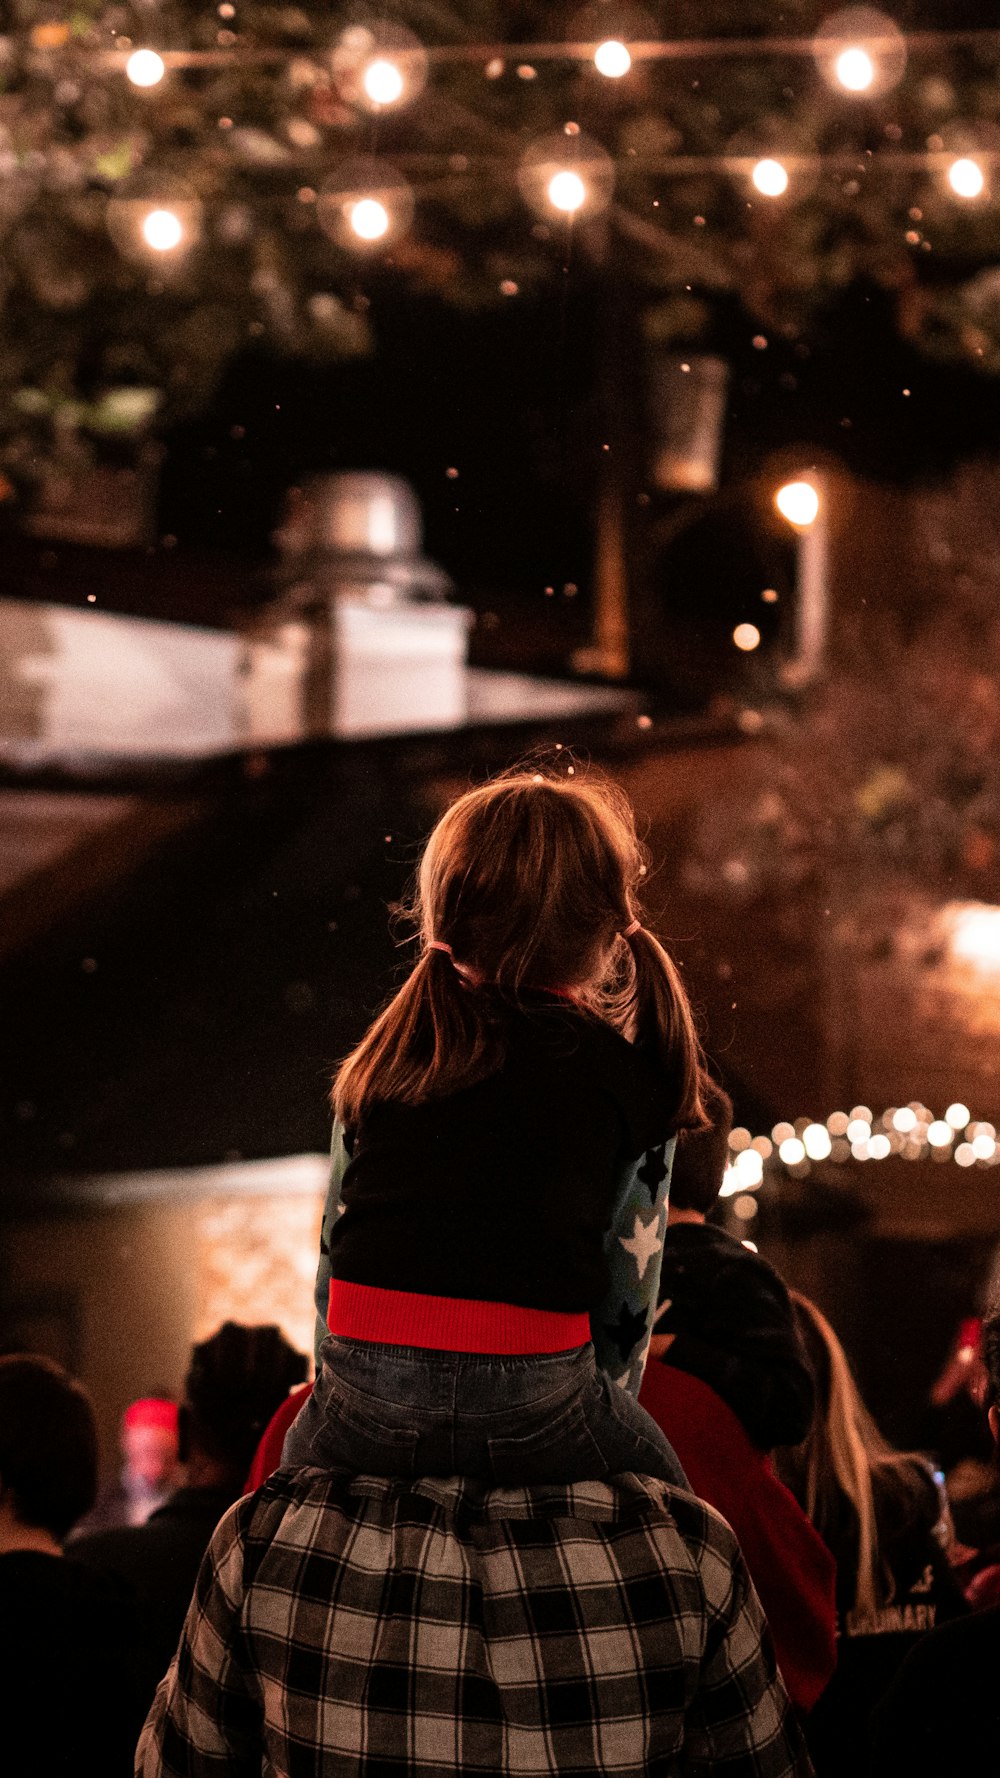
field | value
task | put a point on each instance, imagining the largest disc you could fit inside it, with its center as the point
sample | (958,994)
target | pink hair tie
(438,944)
(627,931)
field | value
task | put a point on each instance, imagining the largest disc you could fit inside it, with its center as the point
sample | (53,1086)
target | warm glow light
(974,935)
(858,1130)
(749,1168)
(939,1134)
(612,59)
(145,68)
(369,219)
(798,502)
(162,230)
(904,1120)
(957,1115)
(567,191)
(984,1148)
(966,178)
(816,1141)
(770,178)
(792,1151)
(965,1154)
(879,1147)
(745,1208)
(746,637)
(383,83)
(854,69)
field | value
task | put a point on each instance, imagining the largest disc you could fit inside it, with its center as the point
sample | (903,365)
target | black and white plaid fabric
(361,1628)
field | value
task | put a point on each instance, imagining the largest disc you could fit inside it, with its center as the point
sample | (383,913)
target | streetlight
(145,68)
(966,178)
(612,59)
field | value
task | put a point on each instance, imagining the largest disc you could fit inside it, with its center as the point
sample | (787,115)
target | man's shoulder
(673,1529)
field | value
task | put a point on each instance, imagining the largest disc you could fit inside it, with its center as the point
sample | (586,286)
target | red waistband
(449,1323)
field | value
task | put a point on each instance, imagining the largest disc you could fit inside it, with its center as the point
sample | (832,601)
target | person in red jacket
(727,1382)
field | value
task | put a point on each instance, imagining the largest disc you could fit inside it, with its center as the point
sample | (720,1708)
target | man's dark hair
(700,1160)
(48,1443)
(235,1382)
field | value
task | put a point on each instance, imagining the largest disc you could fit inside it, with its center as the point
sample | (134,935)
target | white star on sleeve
(643,1242)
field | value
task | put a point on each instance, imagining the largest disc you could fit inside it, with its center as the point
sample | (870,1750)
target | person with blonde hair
(501,1157)
(884,1517)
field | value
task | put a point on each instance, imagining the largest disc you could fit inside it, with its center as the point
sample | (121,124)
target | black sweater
(504,1192)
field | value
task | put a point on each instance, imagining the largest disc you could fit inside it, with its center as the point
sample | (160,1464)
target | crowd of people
(581,1486)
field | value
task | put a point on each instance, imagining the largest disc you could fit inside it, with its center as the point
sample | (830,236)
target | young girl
(502,1149)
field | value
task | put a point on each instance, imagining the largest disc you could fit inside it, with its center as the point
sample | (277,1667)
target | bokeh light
(855,69)
(746,637)
(816,1141)
(770,178)
(383,81)
(567,191)
(612,59)
(162,230)
(966,178)
(145,68)
(369,219)
(798,502)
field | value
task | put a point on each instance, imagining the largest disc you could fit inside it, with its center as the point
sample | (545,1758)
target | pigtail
(659,1014)
(438,1025)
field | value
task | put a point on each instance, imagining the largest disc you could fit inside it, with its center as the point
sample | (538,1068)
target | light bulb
(966,178)
(383,81)
(816,1141)
(162,230)
(770,178)
(798,502)
(369,219)
(854,69)
(746,637)
(145,68)
(567,192)
(612,59)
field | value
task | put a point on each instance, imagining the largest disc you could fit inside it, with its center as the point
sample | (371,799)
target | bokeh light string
(909,1132)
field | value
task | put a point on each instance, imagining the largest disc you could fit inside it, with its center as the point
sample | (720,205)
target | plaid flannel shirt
(355,1626)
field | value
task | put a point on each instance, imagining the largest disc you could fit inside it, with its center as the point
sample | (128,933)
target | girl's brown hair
(531,880)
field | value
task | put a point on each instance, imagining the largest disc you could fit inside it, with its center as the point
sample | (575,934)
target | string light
(855,69)
(567,191)
(145,68)
(910,1131)
(612,59)
(364,202)
(746,637)
(966,178)
(860,51)
(162,230)
(369,219)
(770,178)
(383,82)
(798,502)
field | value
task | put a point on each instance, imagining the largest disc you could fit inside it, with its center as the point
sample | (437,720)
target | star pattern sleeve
(622,1325)
(339,1159)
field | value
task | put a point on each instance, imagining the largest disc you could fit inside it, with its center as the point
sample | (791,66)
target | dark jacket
(157,1563)
(72,1695)
(733,1328)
